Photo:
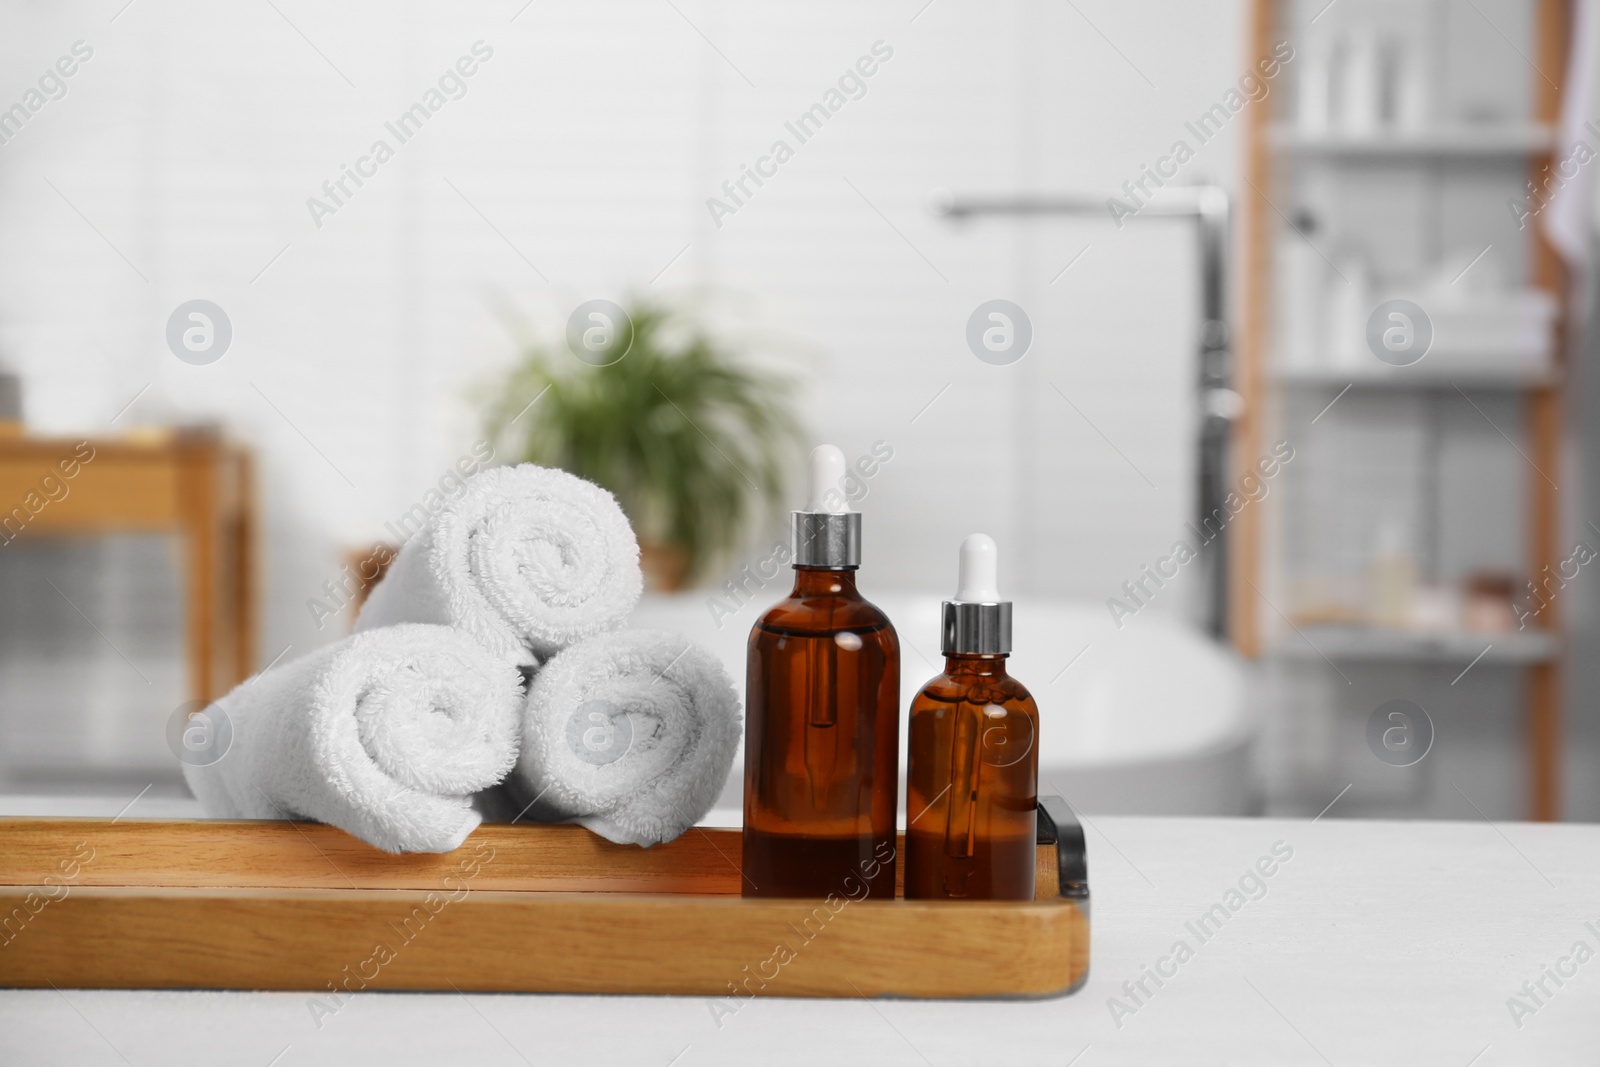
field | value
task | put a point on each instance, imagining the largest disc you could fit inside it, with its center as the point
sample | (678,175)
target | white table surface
(1377,942)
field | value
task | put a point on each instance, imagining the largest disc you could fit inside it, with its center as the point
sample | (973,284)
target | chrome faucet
(1220,405)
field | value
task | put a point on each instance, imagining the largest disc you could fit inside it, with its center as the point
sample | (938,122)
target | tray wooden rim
(267,905)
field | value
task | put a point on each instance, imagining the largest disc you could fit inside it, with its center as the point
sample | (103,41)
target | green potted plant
(689,438)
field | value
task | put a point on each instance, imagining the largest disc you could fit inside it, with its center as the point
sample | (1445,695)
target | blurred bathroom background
(377,322)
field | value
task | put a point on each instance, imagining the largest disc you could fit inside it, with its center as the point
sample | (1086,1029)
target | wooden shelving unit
(1275,151)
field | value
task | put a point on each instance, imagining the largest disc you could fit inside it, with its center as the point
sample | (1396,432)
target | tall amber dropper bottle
(972,778)
(821,763)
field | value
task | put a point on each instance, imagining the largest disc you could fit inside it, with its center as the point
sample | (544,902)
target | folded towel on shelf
(630,734)
(525,559)
(385,735)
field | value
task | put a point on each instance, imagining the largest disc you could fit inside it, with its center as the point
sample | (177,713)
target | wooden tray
(280,905)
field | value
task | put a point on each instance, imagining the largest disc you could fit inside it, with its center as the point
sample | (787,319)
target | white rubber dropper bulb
(827,481)
(978,581)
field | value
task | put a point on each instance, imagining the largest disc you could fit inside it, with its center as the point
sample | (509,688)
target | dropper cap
(827,534)
(977,622)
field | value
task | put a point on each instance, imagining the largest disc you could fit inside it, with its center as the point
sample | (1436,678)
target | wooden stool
(192,483)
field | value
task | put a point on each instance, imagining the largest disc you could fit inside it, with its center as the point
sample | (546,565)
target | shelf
(1459,142)
(1377,644)
(1346,181)
(1419,376)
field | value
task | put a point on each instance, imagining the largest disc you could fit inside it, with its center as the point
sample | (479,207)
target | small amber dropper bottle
(822,726)
(973,774)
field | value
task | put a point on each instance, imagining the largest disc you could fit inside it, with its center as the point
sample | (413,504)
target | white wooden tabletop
(1368,943)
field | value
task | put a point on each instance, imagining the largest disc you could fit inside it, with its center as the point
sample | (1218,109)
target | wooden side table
(191,483)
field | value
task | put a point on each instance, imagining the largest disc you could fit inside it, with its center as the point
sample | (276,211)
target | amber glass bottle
(972,779)
(823,728)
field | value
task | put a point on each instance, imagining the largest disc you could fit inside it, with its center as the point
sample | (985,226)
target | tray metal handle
(1059,826)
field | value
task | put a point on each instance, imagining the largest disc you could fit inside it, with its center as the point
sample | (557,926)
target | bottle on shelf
(1359,79)
(1304,282)
(1392,578)
(1314,90)
(1349,303)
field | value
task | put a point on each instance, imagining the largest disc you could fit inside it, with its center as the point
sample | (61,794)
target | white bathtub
(1150,719)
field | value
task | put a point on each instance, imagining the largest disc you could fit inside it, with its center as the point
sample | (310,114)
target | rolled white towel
(385,735)
(630,734)
(526,559)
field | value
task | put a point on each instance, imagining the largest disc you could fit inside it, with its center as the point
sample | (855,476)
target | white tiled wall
(577,165)
(179,163)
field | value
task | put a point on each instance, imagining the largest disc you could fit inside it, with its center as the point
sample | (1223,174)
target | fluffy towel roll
(385,735)
(630,734)
(526,559)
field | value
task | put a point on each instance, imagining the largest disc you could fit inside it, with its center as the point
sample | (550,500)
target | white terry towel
(630,734)
(385,735)
(526,559)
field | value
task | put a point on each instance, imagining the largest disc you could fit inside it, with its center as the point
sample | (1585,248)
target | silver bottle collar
(974,629)
(824,539)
